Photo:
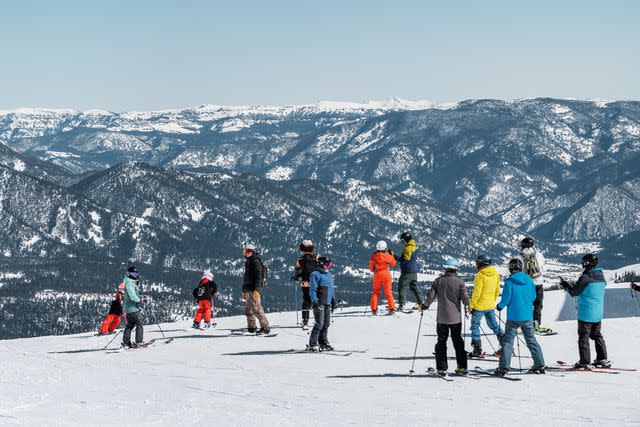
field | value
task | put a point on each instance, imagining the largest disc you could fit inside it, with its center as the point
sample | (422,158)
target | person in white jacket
(533,265)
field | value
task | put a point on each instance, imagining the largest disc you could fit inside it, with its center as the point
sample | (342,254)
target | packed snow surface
(220,379)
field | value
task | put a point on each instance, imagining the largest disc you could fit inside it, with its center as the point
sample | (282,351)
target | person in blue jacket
(322,298)
(518,295)
(589,293)
(132,310)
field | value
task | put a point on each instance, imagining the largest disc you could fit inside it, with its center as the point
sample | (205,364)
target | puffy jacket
(589,293)
(408,258)
(486,288)
(450,291)
(518,294)
(379,262)
(321,288)
(252,273)
(116,307)
(205,290)
(131,296)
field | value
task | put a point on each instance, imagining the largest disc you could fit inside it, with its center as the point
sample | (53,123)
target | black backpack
(263,283)
(308,263)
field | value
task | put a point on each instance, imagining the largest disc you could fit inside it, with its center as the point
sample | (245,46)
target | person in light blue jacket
(131,309)
(518,295)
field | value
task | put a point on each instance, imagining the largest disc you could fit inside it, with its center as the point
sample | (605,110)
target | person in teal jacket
(131,308)
(518,295)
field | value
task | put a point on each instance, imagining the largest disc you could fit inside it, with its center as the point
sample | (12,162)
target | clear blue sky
(137,55)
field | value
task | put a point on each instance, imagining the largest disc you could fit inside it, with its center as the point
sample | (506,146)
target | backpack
(308,265)
(263,283)
(530,264)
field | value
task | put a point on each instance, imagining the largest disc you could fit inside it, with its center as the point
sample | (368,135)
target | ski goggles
(134,274)
(327,264)
(247,251)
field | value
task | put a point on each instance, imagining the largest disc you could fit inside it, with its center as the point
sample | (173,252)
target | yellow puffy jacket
(486,288)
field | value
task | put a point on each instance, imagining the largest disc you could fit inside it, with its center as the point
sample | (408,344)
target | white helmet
(207,275)
(381,245)
(249,246)
(307,242)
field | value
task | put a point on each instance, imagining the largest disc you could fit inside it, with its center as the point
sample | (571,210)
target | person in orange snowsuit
(112,320)
(379,264)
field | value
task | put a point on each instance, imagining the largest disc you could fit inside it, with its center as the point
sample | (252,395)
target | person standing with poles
(486,288)
(450,291)
(379,265)
(305,266)
(254,278)
(322,295)
(408,270)
(518,295)
(533,264)
(132,310)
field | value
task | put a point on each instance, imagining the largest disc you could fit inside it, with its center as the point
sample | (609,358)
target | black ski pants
(458,344)
(306,304)
(133,320)
(537,304)
(587,331)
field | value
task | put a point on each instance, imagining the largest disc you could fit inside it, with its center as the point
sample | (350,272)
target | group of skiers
(522,296)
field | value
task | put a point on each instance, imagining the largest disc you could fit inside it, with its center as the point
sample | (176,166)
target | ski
(572,369)
(143,345)
(328,353)
(545,334)
(432,373)
(484,372)
(561,363)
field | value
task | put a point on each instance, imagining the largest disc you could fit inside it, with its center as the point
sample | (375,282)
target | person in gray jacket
(450,291)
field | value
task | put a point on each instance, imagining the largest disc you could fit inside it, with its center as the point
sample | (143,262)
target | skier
(450,291)
(112,320)
(533,264)
(518,295)
(408,269)
(254,277)
(379,264)
(132,310)
(634,287)
(322,297)
(204,294)
(305,265)
(486,287)
(589,292)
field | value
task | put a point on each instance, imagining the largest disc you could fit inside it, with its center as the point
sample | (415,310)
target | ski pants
(537,304)
(510,332)
(204,310)
(322,316)
(306,303)
(382,280)
(458,344)
(110,324)
(411,280)
(490,318)
(253,309)
(133,320)
(586,331)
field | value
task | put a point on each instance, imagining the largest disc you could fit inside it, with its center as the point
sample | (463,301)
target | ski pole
(464,329)
(519,356)
(295,302)
(114,337)
(505,326)
(415,350)
(488,340)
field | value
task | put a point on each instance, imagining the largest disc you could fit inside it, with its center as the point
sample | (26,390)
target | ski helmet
(306,246)
(589,261)
(483,261)
(451,264)
(207,275)
(406,236)
(515,265)
(381,245)
(249,246)
(527,242)
(324,261)
(133,272)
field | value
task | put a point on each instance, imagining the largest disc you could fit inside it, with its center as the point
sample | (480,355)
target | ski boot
(251,330)
(326,347)
(604,363)
(207,324)
(441,372)
(390,312)
(500,372)
(537,370)
(461,371)
(374,312)
(196,325)
(263,331)
(582,366)
(477,350)
(313,348)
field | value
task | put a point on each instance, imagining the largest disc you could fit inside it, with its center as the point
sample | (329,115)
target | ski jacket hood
(379,262)
(408,259)
(321,287)
(518,295)
(486,287)
(589,292)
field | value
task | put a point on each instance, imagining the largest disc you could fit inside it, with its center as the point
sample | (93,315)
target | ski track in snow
(210,376)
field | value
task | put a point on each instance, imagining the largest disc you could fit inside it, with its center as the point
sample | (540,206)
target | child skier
(204,294)
(132,310)
(112,320)
(486,287)
(589,292)
(379,264)
(518,295)
(408,269)
(321,292)
(305,265)
(532,264)
(450,291)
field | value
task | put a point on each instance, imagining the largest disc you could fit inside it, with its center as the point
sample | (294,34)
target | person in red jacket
(112,320)
(379,264)
(204,294)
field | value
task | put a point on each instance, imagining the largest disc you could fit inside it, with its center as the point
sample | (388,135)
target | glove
(256,296)
(244,295)
(565,285)
(499,308)
(423,307)
(467,311)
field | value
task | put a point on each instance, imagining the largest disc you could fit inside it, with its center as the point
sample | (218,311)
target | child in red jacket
(204,294)
(112,320)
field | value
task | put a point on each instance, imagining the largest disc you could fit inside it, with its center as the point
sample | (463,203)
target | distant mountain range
(180,190)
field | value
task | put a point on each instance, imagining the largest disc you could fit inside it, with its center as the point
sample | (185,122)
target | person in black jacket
(112,320)
(634,287)
(253,280)
(204,294)
(305,265)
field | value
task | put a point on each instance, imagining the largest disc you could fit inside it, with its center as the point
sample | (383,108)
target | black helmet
(406,236)
(515,265)
(589,261)
(483,261)
(527,242)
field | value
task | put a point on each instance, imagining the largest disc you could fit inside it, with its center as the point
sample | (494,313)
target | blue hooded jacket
(589,293)
(321,291)
(518,295)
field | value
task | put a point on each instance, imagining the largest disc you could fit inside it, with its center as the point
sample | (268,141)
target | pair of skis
(477,373)
(244,332)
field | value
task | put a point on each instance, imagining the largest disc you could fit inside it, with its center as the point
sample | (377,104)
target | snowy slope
(211,377)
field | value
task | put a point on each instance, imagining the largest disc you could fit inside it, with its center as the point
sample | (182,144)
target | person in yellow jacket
(486,289)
